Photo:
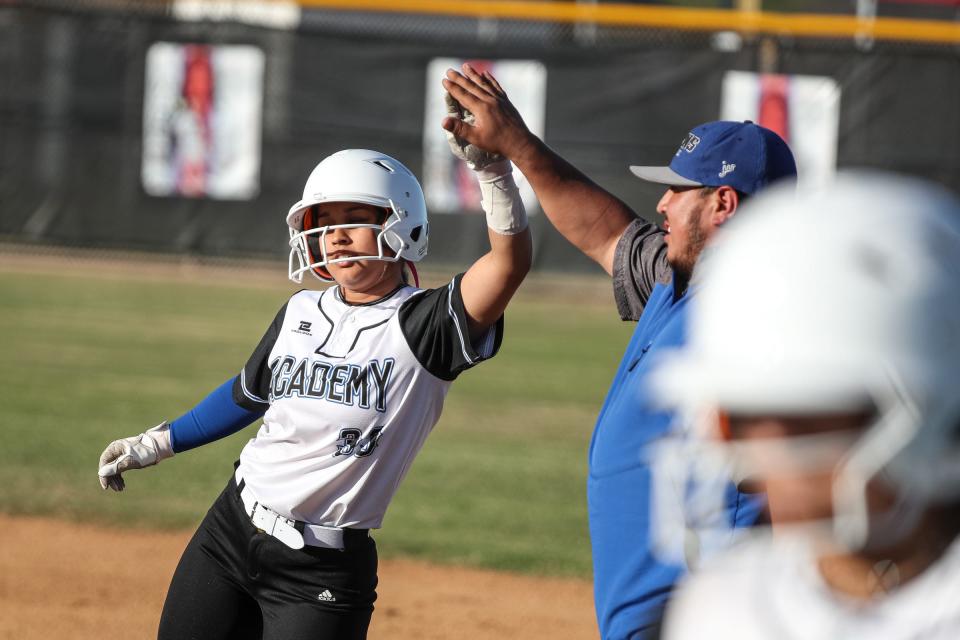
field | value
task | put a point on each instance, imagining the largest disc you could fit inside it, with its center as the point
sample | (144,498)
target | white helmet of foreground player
(830,302)
(366,177)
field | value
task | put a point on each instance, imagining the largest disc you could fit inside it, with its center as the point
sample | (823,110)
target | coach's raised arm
(592,219)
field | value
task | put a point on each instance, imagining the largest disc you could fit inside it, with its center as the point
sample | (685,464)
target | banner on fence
(201,121)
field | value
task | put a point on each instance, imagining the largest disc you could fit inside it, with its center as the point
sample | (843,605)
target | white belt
(290,532)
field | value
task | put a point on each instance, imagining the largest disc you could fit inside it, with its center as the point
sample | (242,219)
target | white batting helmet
(366,177)
(828,302)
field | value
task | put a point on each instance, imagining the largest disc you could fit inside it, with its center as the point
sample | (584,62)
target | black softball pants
(235,583)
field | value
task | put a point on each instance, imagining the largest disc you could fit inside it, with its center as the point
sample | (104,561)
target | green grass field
(92,357)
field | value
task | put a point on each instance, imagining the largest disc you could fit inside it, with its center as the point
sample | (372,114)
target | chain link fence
(76,136)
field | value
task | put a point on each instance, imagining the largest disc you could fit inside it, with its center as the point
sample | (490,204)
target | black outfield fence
(74,80)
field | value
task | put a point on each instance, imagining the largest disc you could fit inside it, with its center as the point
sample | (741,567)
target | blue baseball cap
(741,155)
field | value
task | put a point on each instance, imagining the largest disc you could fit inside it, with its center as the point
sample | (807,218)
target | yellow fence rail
(682,18)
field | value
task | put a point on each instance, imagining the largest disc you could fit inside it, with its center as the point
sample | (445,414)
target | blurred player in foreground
(831,382)
(349,382)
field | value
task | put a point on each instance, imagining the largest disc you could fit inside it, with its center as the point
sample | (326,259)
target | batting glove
(136,452)
(488,166)
(499,196)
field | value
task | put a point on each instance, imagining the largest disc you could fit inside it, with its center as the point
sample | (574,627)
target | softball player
(837,391)
(349,382)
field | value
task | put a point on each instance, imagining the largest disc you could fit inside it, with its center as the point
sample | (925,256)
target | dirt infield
(65,580)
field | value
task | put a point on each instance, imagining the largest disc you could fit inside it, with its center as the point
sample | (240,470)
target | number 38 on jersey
(352,442)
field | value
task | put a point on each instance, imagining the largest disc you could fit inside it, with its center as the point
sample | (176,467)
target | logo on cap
(689,143)
(727,168)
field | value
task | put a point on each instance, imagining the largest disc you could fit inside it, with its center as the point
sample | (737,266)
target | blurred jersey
(765,591)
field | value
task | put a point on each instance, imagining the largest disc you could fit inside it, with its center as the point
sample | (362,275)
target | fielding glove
(135,452)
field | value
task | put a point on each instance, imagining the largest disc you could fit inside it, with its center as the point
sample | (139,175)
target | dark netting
(72,112)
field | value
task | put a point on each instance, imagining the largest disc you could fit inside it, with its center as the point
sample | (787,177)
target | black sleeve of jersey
(434,323)
(251,389)
(639,263)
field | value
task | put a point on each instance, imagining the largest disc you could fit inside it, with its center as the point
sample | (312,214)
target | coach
(716,167)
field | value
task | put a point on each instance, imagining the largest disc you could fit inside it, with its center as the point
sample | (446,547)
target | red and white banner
(201,121)
(804,110)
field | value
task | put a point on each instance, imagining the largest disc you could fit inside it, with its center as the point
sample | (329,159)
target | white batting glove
(136,452)
(499,196)
(489,166)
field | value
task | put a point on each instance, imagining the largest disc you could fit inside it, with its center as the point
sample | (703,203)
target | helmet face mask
(309,245)
(363,177)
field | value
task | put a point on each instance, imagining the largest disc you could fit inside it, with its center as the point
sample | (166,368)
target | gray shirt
(639,263)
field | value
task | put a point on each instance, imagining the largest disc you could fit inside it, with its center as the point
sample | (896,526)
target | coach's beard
(684,264)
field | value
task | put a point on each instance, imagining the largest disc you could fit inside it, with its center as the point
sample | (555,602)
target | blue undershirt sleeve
(217,416)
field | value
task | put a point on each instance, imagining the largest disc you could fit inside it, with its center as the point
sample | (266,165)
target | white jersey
(353,392)
(763,591)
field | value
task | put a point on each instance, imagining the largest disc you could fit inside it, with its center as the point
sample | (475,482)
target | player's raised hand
(495,125)
(135,452)
(475,157)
